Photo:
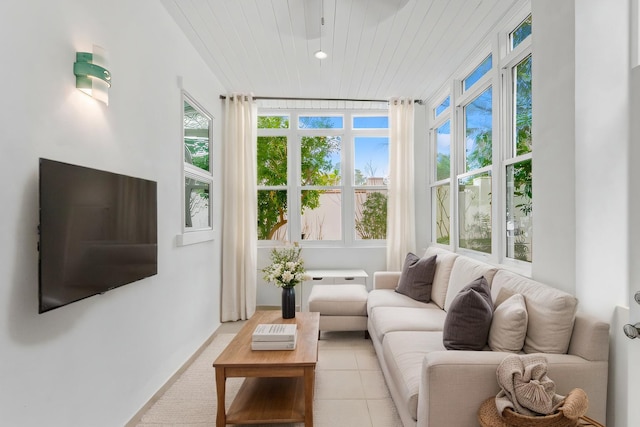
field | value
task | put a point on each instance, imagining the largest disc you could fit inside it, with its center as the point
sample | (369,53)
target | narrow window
(477,74)
(197,176)
(272,161)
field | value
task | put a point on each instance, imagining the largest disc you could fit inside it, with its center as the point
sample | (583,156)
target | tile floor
(350,388)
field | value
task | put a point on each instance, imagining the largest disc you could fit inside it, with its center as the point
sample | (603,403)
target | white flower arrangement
(287,268)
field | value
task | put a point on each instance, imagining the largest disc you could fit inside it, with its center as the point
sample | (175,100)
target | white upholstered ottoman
(341,307)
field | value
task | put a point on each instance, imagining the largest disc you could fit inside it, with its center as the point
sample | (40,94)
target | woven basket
(488,417)
(513,419)
(574,406)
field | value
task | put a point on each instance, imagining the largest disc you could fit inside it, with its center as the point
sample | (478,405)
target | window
(441,176)
(478,129)
(520,34)
(442,107)
(485,144)
(474,186)
(477,74)
(325,180)
(518,166)
(198,179)
(272,161)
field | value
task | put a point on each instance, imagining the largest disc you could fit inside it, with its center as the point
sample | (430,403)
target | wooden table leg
(309,384)
(221,380)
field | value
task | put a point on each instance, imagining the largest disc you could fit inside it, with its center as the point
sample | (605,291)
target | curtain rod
(285,98)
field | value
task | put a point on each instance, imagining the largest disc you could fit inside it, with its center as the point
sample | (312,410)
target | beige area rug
(350,388)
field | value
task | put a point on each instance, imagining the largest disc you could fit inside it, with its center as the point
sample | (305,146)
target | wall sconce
(92,77)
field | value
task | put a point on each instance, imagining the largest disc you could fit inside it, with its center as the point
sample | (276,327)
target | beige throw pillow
(509,325)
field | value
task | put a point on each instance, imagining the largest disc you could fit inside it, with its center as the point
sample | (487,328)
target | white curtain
(239,209)
(401,206)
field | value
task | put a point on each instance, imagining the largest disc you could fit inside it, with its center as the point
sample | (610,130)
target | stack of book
(274,336)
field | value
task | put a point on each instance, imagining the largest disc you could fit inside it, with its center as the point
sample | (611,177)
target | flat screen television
(98,231)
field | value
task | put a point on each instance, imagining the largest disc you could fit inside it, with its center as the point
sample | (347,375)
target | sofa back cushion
(551,312)
(465,270)
(444,265)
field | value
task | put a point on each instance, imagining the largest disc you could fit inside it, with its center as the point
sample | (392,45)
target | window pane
(371,214)
(519,211)
(522,32)
(522,107)
(474,207)
(478,127)
(443,151)
(371,122)
(441,202)
(321,214)
(196,137)
(477,74)
(273,122)
(372,160)
(272,160)
(272,215)
(320,122)
(197,214)
(443,106)
(320,157)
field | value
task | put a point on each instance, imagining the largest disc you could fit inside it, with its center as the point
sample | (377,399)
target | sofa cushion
(444,265)
(464,271)
(551,312)
(466,326)
(391,319)
(509,325)
(390,298)
(404,353)
(417,277)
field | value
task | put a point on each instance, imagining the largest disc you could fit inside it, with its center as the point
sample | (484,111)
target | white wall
(602,175)
(96,362)
(581,175)
(632,374)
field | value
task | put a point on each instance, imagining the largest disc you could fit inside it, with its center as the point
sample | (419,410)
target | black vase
(288,303)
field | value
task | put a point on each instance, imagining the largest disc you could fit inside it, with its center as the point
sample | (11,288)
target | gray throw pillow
(416,278)
(468,320)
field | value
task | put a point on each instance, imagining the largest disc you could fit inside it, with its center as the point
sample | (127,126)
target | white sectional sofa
(435,387)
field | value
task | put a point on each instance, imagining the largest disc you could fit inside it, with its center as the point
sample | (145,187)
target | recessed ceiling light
(320,54)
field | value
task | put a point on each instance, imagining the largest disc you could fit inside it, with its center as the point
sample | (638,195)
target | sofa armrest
(453,384)
(386,279)
(590,338)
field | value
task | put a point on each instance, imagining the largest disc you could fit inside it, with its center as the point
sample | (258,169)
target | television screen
(98,231)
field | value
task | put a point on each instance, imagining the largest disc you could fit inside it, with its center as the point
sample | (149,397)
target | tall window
(474,183)
(487,146)
(198,179)
(272,159)
(371,171)
(518,155)
(324,179)
(320,178)
(441,188)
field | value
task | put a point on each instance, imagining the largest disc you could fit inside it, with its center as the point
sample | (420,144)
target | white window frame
(441,119)
(347,160)
(191,235)
(500,80)
(509,59)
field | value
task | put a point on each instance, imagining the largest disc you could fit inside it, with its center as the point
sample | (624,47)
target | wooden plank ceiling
(376,49)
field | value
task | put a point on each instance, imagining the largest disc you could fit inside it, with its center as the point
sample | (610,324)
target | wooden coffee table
(279,383)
